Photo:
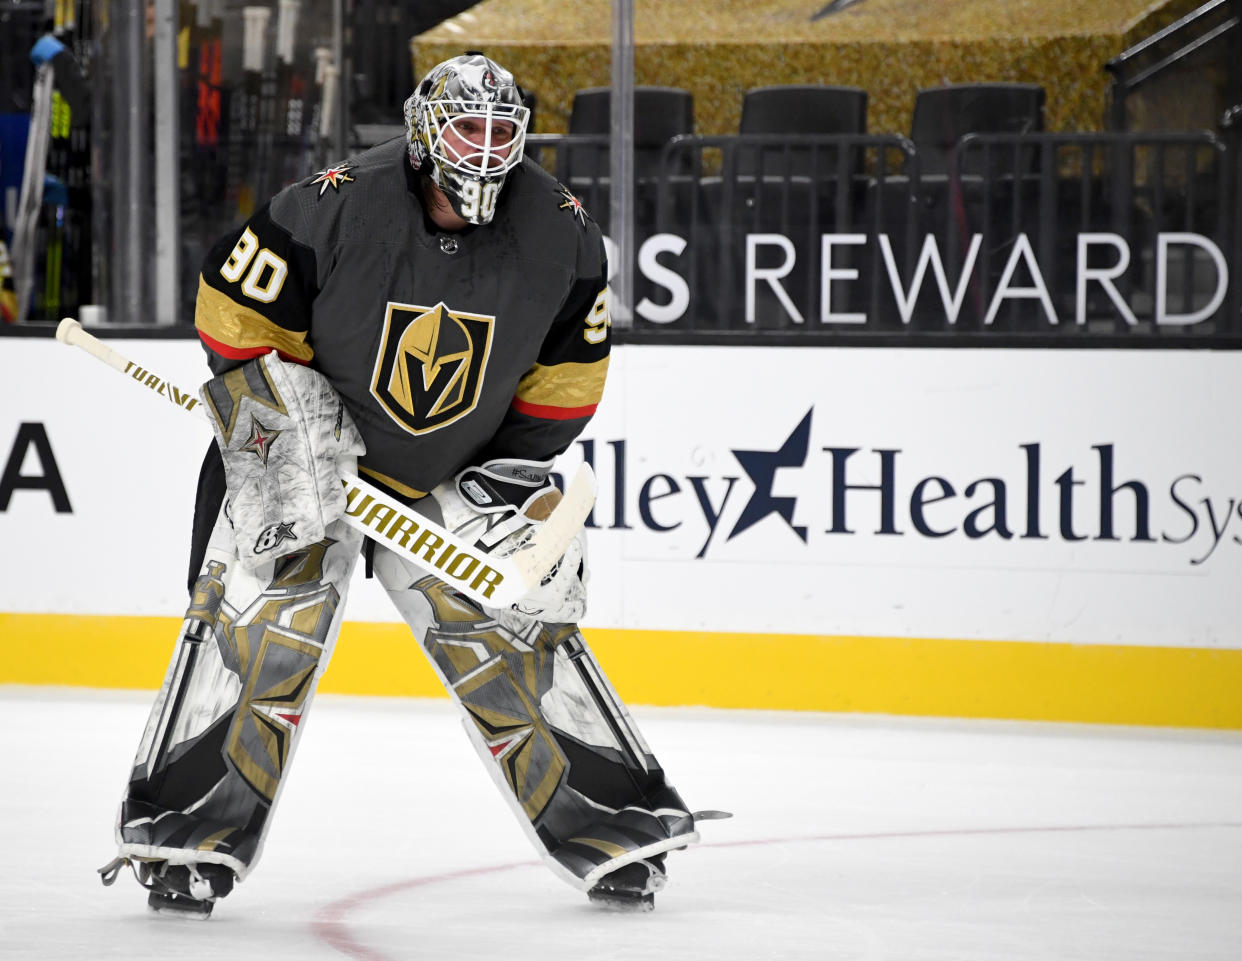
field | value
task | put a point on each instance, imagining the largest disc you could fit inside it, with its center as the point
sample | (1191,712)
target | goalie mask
(467,127)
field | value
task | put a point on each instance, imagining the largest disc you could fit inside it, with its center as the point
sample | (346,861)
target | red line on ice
(330,925)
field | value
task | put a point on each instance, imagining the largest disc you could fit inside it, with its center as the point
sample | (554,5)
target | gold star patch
(261,440)
(573,204)
(333,177)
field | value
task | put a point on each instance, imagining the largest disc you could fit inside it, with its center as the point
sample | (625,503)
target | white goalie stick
(491,581)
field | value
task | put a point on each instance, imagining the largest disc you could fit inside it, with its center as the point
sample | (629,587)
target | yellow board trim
(930,677)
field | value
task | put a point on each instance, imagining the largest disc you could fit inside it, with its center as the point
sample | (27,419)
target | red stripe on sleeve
(548,412)
(244,353)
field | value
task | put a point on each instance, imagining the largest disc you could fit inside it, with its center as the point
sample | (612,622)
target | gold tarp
(891,48)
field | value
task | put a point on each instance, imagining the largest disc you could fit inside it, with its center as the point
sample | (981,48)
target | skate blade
(172,906)
(622,902)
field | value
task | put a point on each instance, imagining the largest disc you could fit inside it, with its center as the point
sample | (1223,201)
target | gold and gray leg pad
(557,739)
(225,724)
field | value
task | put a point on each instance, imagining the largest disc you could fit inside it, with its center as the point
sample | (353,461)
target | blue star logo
(761,466)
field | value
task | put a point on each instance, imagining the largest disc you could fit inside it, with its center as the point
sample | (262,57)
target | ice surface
(853,838)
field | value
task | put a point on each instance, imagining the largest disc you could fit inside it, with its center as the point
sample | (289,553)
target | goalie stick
(494,582)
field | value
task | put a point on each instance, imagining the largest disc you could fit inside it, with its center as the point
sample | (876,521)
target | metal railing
(1136,222)
(1213,30)
(1090,239)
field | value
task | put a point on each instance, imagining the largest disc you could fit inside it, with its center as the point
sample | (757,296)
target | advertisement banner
(1085,497)
(1074,496)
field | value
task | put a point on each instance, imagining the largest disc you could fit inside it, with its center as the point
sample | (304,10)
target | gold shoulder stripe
(564,385)
(226,321)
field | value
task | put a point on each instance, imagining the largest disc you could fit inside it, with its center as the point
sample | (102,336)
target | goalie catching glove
(284,437)
(499,506)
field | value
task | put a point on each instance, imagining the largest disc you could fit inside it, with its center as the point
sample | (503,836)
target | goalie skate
(184,890)
(632,887)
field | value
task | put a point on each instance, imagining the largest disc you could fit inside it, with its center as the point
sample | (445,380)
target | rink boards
(982,533)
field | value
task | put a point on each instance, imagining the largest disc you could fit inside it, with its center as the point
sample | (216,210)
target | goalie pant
(543,717)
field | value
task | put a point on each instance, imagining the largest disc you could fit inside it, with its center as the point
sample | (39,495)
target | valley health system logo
(761,467)
(819,492)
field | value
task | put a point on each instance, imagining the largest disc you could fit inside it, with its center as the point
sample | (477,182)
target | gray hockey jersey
(448,348)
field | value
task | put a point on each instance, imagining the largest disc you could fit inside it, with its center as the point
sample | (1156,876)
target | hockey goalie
(432,314)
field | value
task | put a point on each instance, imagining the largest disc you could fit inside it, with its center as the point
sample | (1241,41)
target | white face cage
(465,136)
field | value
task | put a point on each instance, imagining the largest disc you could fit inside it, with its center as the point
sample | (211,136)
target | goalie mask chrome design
(467,127)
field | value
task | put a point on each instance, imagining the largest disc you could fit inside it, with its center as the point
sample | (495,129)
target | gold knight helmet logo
(431,364)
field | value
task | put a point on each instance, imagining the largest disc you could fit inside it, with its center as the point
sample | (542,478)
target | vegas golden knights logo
(431,365)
